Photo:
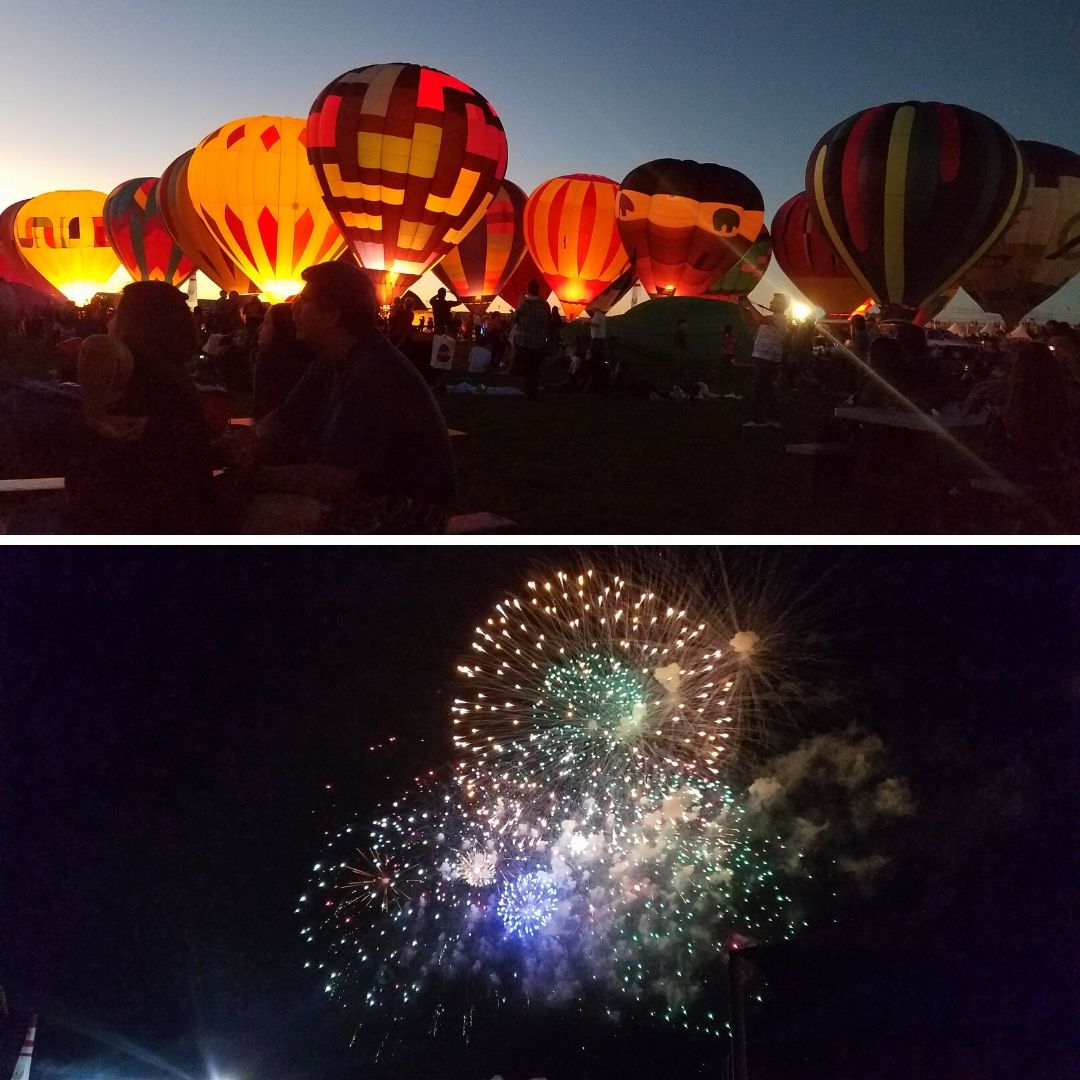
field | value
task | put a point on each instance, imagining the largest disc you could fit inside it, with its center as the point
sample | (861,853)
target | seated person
(888,382)
(359,445)
(143,464)
(479,359)
(1036,411)
(280,361)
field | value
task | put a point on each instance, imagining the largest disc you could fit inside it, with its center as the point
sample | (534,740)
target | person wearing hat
(360,445)
(769,345)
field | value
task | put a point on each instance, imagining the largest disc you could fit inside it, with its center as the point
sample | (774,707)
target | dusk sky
(105,90)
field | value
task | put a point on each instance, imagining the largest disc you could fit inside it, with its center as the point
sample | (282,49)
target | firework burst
(589,843)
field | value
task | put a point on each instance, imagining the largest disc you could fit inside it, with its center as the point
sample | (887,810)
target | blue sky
(99,91)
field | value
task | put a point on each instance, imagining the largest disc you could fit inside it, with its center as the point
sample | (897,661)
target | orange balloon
(194,239)
(251,184)
(571,231)
(61,234)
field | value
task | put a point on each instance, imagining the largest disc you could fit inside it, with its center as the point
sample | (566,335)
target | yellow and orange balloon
(252,186)
(61,235)
(190,232)
(572,234)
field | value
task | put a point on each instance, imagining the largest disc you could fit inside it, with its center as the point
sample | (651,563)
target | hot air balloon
(684,223)
(571,231)
(478,267)
(606,300)
(138,235)
(805,254)
(912,195)
(408,159)
(61,235)
(515,285)
(191,233)
(1040,251)
(746,274)
(13,267)
(251,184)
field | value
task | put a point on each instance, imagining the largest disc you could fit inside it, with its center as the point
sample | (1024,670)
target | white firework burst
(478,867)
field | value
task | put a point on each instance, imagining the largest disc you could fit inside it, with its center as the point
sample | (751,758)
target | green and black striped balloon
(912,194)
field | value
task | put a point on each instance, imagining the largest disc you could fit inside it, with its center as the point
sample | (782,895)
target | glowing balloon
(191,233)
(515,285)
(912,195)
(478,267)
(1040,251)
(747,273)
(13,267)
(684,223)
(409,158)
(572,233)
(61,234)
(251,184)
(138,235)
(807,256)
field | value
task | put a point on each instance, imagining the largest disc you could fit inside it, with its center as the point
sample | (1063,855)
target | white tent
(1021,334)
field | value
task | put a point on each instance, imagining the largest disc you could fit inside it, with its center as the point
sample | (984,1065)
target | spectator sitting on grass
(359,446)
(144,464)
(479,359)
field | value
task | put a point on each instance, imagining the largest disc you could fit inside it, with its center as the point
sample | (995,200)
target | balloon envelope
(1040,251)
(61,234)
(138,235)
(571,231)
(515,285)
(912,194)
(685,223)
(747,273)
(191,233)
(408,159)
(479,266)
(13,267)
(805,254)
(251,184)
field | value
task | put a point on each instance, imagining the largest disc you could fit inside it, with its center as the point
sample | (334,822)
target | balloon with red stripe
(189,231)
(805,254)
(912,194)
(13,267)
(251,184)
(480,265)
(408,159)
(138,235)
(684,223)
(513,289)
(572,233)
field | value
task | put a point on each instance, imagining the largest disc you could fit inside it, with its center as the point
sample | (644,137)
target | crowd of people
(347,438)
(348,435)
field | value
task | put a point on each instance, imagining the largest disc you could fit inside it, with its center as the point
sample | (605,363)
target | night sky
(172,718)
(107,90)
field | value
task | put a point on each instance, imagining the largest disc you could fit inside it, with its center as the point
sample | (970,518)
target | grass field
(571,464)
